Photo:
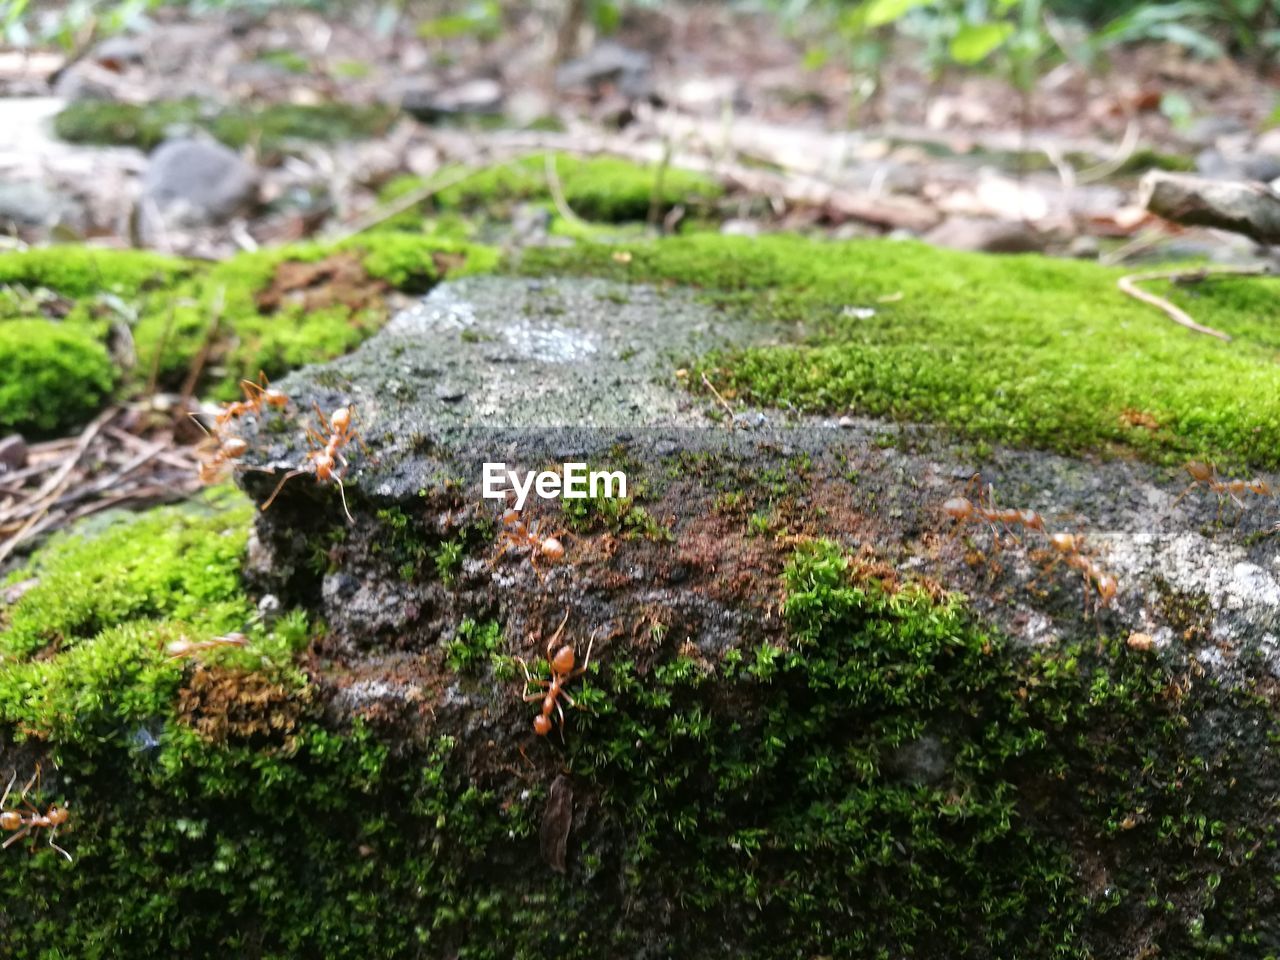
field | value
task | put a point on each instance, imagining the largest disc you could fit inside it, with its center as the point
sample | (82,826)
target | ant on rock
(965,511)
(561,664)
(517,535)
(226,449)
(327,461)
(255,395)
(1069,549)
(1206,474)
(22,824)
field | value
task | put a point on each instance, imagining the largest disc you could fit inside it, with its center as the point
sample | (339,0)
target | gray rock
(1205,131)
(609,64)
(482,96)
(29,203)
(988,236)
(198,182)
(119,51)
(1084,247)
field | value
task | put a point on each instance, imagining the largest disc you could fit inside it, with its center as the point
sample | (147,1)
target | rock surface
(194,182)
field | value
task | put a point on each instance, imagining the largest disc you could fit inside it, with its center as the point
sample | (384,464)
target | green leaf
(880,12)
(976,41)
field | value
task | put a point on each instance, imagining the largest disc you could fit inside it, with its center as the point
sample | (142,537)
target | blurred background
(210,126)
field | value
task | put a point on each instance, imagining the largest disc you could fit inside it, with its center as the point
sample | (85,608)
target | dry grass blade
(1129,285)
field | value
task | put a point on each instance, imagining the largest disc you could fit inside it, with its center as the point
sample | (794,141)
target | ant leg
(53,831)
(16,837)
(530,679)
(533,562)
(342,493)
(357,438)
(586,661)
(1190,486)
(9,789)
(506,545)
(324,421)
(568,699)
(33,782)
(555,637)
(276,492)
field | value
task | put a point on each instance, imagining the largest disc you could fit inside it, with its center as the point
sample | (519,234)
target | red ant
(1207,475)
(327,463)
(1069,549)
(963,510)
(515,534)
(255,395)
(185,648)
(14,820)
(225,451)
(562,671)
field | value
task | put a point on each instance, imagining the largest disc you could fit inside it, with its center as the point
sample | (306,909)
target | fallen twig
(723,402)
(1129,285)
(409,201)
(55,485)
(557,191)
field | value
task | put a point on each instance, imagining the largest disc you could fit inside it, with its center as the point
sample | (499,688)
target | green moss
(52,378)
(174,306)
(473,645)
(84,272)
(1014,349)
(595,188)
(175,563)
(269,128)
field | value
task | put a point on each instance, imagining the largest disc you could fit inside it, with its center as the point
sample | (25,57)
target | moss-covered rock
(874,774)
(1014,349)
(52,377)
(270,128)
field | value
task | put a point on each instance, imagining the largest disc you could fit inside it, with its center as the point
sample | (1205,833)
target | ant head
(1261,488)
(234,447)
(1031,520)
(563,661)
(553,549)
(57,815)
(1064,542)
(510,516)
(1200,472)
(957,508)
(341,419)
(1107,587)
(541,725)
(275,398)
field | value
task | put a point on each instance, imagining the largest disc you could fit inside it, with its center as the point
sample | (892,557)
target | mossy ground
(269,129)
(599,189)
(1019,350)
(877,775)
(257,311)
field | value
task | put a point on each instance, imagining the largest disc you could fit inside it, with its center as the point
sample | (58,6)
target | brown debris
(339,279)
(553,837)
(227,705)
(126,457)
